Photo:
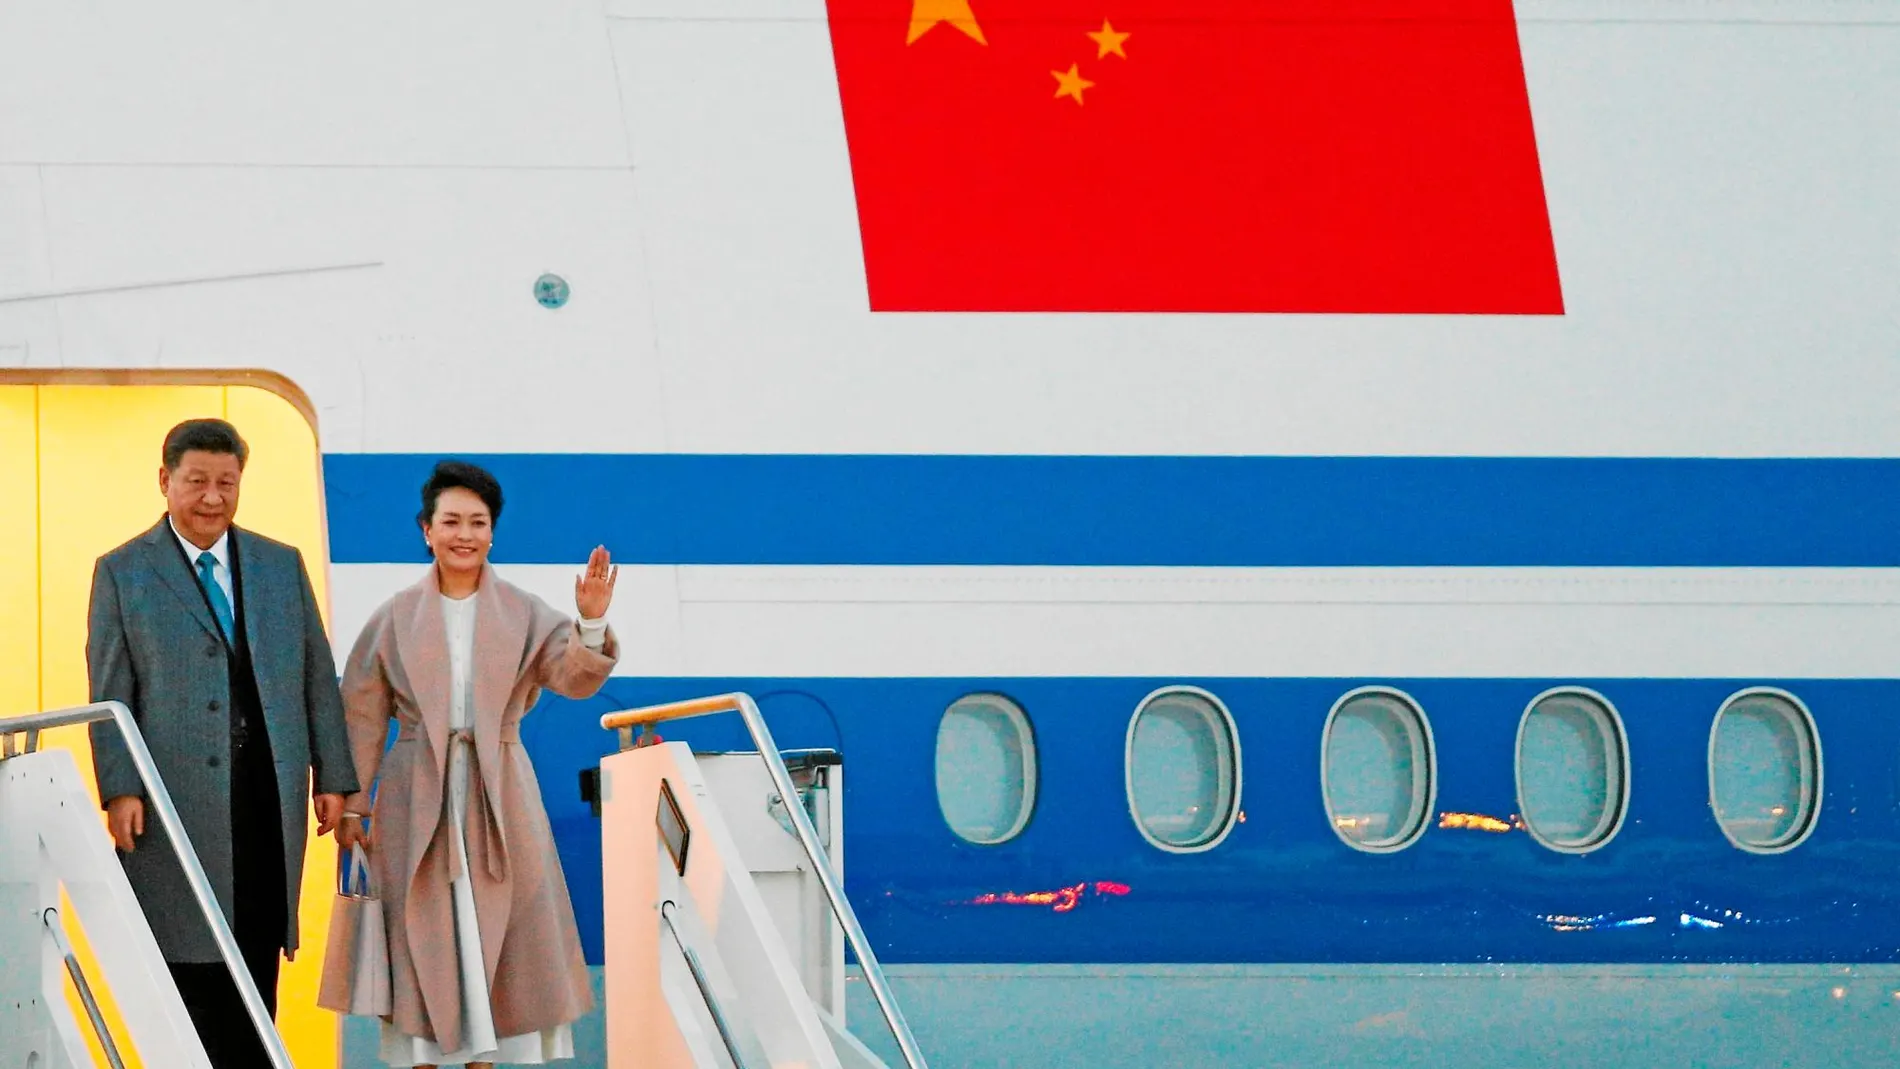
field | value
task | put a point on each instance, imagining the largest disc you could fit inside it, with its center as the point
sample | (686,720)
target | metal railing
(50,920)
(160,801)
(704,982)
(645,718)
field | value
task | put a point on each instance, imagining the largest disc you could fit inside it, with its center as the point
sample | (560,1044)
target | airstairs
(726,919)
(50,839)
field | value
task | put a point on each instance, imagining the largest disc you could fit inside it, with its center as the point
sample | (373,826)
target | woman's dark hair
(453,474)
(206,436)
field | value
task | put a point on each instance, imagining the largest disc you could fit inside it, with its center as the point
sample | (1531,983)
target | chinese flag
(1194,156)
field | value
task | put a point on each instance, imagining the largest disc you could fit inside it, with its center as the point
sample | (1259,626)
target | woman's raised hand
(594,588)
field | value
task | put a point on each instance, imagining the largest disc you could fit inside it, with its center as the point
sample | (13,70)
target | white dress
(479,1042)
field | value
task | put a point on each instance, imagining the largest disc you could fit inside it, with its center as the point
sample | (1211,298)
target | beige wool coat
(399,671)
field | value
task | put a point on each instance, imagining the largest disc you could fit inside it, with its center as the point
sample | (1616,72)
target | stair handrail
(646,717)
(160,800)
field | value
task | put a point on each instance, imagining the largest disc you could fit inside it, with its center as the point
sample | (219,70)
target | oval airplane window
(1378,770)
(1572,770)
(986,768)
(1764,771)
(1183,769)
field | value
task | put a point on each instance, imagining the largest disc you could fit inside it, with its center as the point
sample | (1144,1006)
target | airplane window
(1378,770)
(1183,770)
(1764,771)
(986,768)
(1572,770)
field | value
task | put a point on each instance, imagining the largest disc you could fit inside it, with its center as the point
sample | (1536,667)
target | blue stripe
(1208,511)
(1282,887)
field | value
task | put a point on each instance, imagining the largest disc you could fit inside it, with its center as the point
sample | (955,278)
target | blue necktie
(220,605)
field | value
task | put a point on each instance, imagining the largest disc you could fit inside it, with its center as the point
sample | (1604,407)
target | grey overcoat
(152,643)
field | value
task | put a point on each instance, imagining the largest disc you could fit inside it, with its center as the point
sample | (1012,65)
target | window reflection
(1572,764)
(1764,770)
(986,768)
(1182,769)
(1378,769)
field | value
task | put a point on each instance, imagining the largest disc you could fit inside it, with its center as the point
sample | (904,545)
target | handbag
(356,961)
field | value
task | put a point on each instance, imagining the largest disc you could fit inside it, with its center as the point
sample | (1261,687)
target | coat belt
(413,733)
(481,814)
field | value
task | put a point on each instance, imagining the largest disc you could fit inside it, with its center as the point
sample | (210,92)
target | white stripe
(1182,622)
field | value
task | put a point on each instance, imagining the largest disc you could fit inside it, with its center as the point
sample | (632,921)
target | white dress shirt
(221,571)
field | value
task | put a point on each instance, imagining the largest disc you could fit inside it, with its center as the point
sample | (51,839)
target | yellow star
(926,14)
(1107,41)
(1071,83)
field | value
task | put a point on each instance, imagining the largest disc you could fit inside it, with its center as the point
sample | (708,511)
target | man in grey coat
(210,634)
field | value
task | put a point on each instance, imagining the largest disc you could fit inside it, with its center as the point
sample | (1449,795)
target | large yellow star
(1107,41)
(926,14)
(1070,83)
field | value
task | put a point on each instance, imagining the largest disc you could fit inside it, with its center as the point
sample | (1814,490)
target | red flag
(1194,156)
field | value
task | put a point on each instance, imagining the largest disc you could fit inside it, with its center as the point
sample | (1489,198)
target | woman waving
(483,950)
